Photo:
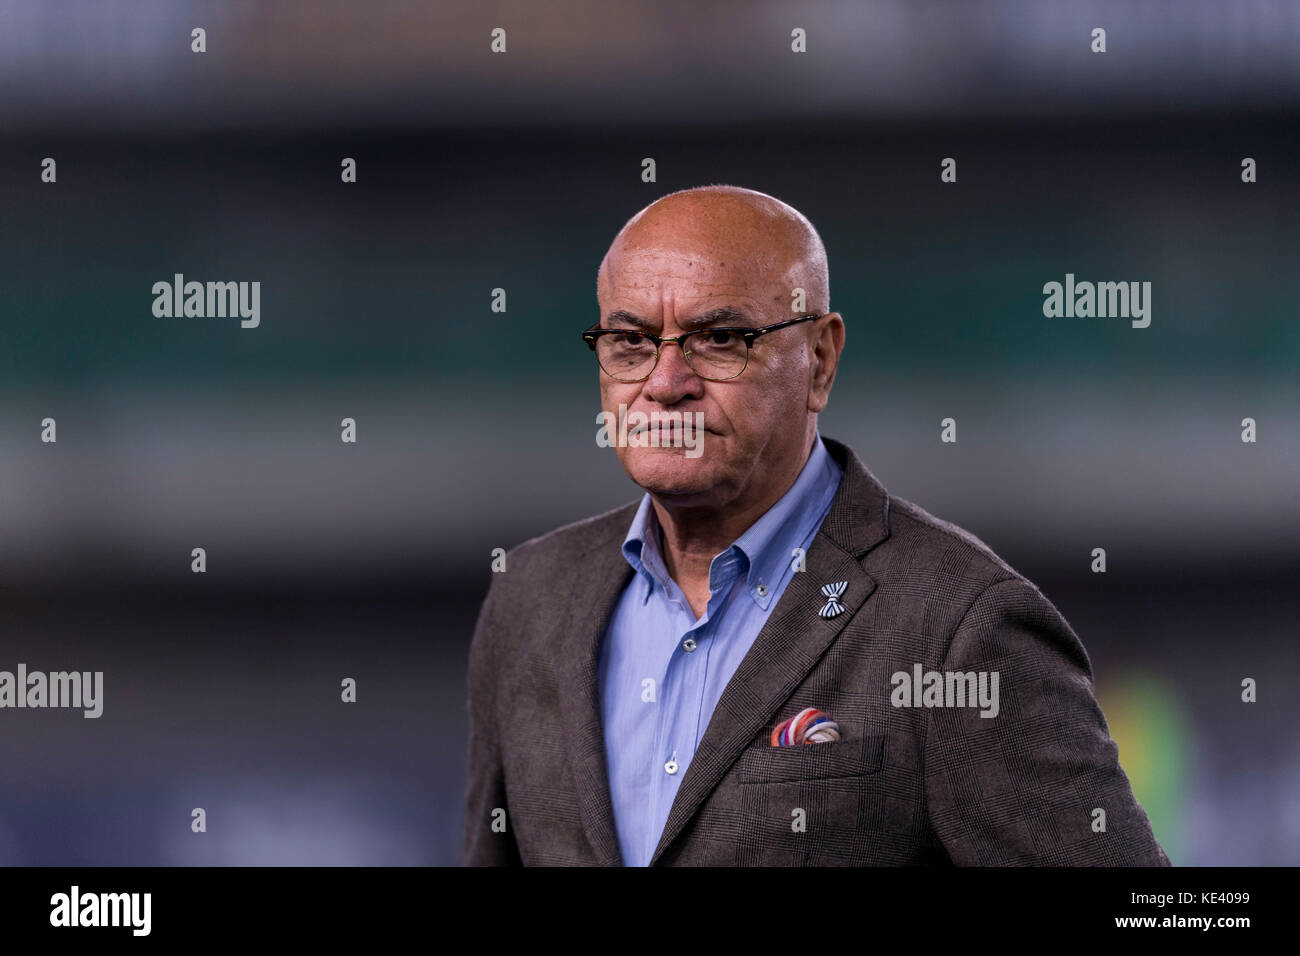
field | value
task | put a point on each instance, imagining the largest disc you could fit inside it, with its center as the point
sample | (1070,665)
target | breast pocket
(810,804)
(802,762)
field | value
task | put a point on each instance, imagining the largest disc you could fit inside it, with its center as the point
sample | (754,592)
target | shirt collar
(641,548)
(770,541)
(764,552)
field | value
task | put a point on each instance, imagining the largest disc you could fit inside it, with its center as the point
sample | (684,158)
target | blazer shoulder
(930,540)
(544,570)
(572,541)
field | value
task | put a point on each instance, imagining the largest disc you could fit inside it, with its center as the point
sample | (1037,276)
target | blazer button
(688,646)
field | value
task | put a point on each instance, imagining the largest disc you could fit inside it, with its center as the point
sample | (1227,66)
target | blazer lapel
(794,637)
(579,690)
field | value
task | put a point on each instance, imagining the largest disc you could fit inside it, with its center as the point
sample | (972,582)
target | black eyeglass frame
(749,335)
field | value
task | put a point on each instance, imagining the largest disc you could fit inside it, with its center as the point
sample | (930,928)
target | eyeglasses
(714,354)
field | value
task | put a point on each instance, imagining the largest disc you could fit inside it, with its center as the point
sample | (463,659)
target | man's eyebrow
(624,318)
(724,315)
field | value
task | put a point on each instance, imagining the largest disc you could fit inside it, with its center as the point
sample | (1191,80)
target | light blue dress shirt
(662,670)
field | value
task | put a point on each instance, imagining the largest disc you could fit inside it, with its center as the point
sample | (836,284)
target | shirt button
(688,645)
(762,590)
(670,766)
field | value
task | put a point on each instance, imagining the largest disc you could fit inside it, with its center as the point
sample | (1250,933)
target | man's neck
(690,538)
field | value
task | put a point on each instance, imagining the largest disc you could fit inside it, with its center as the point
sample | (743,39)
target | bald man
(768,659)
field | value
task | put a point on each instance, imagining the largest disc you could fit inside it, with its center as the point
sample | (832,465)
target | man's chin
(668,473)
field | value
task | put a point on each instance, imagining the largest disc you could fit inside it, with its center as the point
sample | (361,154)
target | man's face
(755,425)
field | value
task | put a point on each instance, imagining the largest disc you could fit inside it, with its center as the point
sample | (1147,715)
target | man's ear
(827,343)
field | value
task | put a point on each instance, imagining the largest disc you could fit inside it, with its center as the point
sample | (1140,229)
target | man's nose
(672,378)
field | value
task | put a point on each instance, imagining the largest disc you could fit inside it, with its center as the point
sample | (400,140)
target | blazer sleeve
(485,785)
(1023,786)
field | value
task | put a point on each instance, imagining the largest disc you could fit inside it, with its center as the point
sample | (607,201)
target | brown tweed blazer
(904,785)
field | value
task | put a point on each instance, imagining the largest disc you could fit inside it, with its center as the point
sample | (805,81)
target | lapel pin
(832,592)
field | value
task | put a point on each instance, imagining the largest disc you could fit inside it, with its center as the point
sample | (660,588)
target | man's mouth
(667,429)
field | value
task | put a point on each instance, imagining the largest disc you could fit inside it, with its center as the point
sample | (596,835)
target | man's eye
(629,339)
(721,338)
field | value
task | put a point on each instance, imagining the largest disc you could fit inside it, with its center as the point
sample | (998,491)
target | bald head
(739,234)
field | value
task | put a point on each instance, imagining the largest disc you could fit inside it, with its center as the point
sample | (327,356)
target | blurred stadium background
(476,430)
